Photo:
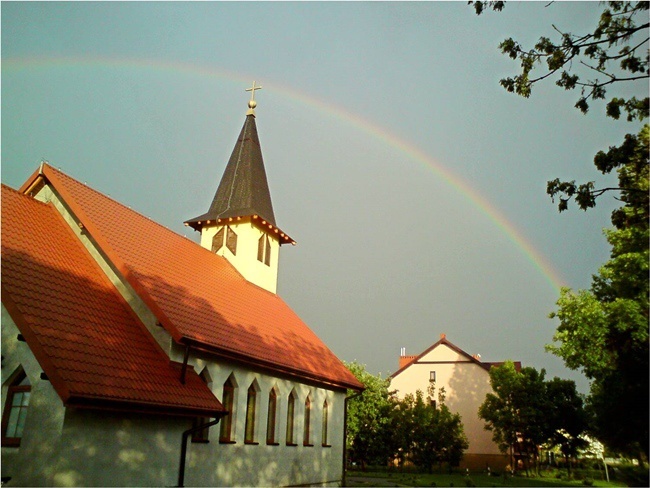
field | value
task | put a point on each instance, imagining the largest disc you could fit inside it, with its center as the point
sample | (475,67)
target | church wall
(245,259)
(269,465)
(466,384)
(76,447)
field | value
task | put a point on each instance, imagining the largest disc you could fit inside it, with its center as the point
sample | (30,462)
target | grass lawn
(369,478)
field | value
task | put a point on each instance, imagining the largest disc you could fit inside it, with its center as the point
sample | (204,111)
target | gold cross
(252,90)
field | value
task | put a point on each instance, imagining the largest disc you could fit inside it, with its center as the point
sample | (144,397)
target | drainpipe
(186,434)
(345,436)
(186,357)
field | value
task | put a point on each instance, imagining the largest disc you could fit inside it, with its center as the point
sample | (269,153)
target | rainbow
(537,259)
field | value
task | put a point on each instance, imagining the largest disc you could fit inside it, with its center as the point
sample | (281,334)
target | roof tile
(198,295)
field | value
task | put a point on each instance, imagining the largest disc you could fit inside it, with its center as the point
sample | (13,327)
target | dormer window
(264,250)
(225,235)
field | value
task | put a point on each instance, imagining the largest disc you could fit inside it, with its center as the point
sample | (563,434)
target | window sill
(251,443)
(272,443)
(291,444)
(327,445)
(11,442)
(226,441)
(306,444)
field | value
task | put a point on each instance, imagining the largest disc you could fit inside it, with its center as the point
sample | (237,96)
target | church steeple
(240,223)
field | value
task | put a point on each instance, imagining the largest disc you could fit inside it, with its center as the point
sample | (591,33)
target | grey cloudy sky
(367,109)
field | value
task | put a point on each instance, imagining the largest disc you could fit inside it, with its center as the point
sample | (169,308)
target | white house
(466,382)
(132,356)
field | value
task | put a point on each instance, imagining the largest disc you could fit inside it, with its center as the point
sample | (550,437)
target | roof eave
(274,368)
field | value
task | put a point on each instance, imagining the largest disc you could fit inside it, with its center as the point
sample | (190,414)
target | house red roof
(90,344)
(196,295)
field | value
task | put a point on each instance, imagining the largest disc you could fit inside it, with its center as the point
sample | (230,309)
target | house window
(217,240)
(307,431)
(264,250)
(231,240)
(271,419)
(251,409)
(325,421)
(432,376)
(15,412)
(291,408)
(228,402)
(202,435)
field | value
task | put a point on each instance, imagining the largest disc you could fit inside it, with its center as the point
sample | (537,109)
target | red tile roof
(198,296)
(93,348)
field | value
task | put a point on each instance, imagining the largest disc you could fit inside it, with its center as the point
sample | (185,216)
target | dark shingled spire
(244,190)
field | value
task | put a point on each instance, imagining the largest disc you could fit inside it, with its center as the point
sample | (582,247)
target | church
(133,356)
(466,382)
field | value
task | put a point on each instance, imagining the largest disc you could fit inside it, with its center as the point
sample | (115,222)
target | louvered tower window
(264,250)
(229,236)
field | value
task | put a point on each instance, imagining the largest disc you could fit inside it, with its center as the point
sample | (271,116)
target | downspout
(345,436)
(186,434)
(185,359)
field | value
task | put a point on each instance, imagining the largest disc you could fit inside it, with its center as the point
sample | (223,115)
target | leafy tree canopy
(525,411)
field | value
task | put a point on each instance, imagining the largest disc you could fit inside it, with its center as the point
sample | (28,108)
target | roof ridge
(105,195)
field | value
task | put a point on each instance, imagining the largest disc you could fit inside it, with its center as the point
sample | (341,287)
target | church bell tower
(240,224)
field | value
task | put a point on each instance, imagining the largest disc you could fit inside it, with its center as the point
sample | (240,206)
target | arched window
(228,402)
(15,412)
(325,422)
(291,410)
(271,419)
(251,411)
(306,441)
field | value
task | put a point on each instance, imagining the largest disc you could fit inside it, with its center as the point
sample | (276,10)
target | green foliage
(615,52)
(434,434)
(370,419)
(604,331)
(630,159)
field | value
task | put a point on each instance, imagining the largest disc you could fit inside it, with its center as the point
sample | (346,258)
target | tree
(604,331)
(370,437)
(515,412)
(567,418)
(434,435)
(525,411)
(615,53)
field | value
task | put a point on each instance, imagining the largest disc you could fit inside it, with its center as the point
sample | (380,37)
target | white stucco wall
(466,384)
(30,464)
(266,465)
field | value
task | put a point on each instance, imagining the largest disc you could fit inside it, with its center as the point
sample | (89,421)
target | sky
(412,182)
